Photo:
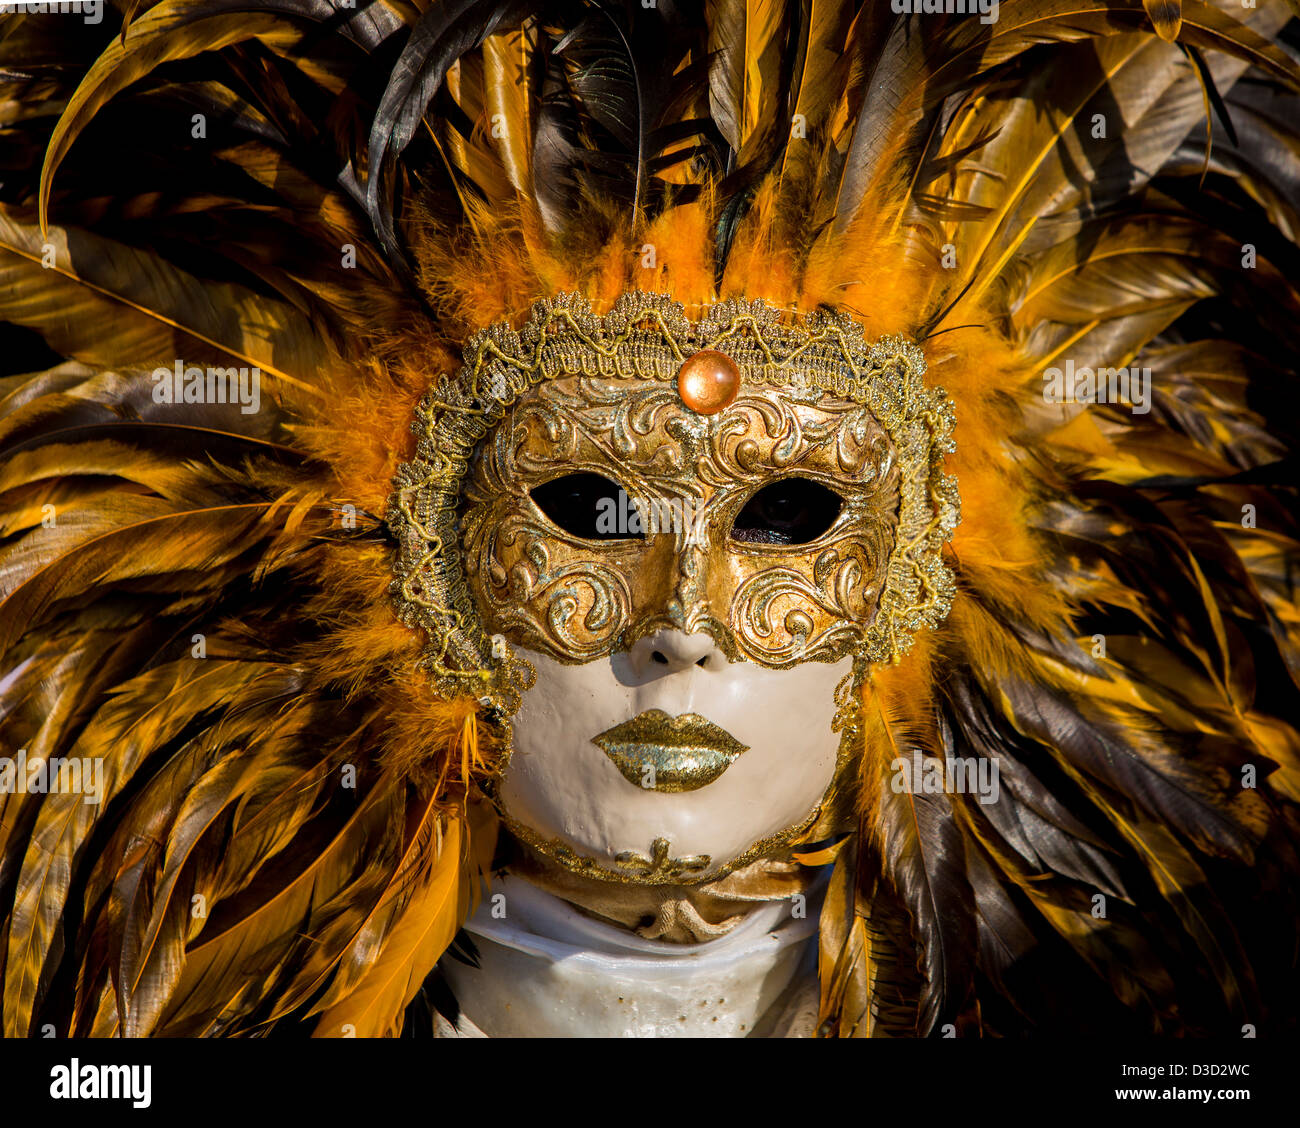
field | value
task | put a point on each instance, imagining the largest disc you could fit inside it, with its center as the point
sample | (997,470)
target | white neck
(546,970)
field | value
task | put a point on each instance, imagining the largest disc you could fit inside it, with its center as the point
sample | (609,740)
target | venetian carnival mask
(663,553)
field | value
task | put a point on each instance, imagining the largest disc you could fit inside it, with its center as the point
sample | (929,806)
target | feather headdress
(196,596)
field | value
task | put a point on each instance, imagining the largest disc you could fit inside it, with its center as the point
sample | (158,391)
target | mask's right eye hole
(788,512)
(588,506)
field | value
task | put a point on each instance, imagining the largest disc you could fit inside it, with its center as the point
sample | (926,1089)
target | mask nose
(670,651)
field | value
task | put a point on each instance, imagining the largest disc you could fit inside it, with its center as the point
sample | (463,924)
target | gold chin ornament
(586,481)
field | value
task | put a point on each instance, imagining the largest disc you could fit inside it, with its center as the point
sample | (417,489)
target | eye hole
(589,506)
(791,511)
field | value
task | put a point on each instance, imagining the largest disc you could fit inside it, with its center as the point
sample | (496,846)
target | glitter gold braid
(648,336)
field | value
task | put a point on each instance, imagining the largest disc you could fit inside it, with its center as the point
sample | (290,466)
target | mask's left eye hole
(791,511)
(588,506)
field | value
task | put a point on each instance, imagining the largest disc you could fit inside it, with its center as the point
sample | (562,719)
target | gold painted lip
(663,753)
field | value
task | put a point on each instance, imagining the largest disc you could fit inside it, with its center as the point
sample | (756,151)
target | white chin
(560,785)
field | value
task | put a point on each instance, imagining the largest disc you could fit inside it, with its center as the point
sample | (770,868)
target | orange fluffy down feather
(291,829)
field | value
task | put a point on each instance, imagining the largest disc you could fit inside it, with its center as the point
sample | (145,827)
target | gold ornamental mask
(662,515)
(608,509)
(585,483)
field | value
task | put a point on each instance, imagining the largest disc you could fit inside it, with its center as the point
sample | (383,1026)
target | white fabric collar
(547,970)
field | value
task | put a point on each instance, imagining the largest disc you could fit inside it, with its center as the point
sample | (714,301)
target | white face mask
(637,806)
(689,578)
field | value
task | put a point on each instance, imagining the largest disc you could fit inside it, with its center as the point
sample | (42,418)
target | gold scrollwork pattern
(570,390)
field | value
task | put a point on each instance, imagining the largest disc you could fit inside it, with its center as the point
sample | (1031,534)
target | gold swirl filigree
(569,389)
(647,441)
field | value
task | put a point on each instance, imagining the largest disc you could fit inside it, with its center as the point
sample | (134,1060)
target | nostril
(660,657)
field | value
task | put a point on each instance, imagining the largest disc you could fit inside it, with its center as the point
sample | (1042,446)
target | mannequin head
(672,596)
(688,588)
